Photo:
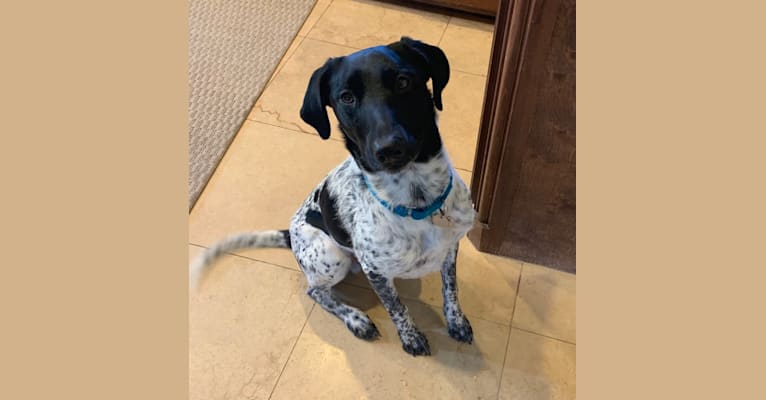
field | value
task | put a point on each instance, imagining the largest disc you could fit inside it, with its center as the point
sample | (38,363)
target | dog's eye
(347,98)
(402,82)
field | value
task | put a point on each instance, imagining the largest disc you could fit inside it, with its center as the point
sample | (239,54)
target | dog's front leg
(413,341)
(457,324)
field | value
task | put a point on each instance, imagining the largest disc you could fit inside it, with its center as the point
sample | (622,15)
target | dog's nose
(392,149)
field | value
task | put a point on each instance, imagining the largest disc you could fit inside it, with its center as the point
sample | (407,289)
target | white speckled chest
(395,246)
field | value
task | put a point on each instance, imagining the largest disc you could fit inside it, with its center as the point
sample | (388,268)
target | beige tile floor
(254,334)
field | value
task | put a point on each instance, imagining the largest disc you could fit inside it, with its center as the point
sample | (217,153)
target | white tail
(250,240)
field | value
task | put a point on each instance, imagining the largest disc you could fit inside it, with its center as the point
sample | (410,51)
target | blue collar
(414,213)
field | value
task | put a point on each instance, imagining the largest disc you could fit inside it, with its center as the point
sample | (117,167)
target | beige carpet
(234,47)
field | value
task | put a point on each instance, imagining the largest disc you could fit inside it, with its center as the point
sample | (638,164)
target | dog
(395,208)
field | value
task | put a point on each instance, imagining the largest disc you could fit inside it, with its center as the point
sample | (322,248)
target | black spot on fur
(376,279)
(417,194)
(331,219)
(314,218)
(286,237)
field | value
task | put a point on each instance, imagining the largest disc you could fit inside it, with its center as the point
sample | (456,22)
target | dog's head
(381,100)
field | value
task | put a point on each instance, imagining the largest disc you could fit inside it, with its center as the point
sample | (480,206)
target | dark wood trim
(501,82)
(528,115)
(482,7)
(447,8)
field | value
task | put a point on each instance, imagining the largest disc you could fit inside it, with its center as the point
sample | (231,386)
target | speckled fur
(383,245)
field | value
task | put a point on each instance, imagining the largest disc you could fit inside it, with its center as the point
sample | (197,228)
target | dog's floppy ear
(436,64)
(313,111)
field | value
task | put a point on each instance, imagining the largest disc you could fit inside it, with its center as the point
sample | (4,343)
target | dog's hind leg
(356,321)
(325,264)
(457,324)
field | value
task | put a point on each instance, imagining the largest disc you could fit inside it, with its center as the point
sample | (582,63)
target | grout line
(297,35)
(508,341)
(470,73)
(279,69)
(545,336)
(291,350)
(294,130)
(251,259)
(320,17)
(263,261)
(333,43)
(444,31)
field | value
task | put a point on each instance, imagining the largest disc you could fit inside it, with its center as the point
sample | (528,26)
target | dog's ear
(315,100)
(436,64)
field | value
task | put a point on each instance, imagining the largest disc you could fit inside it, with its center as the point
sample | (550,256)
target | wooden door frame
(523,31)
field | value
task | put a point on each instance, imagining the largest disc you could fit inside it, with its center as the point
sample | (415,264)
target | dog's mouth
(396,164)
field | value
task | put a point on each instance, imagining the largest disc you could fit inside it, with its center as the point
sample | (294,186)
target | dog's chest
(393,245)
(402,247)
(425,250)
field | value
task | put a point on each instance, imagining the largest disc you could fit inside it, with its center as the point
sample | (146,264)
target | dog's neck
(416,185)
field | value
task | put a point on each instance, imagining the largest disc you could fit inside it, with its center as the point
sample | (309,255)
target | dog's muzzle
(394,151)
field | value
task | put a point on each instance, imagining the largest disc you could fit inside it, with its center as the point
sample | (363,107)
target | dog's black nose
(391,150)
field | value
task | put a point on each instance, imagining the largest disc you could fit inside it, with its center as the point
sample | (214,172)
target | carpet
(234,47)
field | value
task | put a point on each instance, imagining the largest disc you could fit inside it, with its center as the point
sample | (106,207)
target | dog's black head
(380,98)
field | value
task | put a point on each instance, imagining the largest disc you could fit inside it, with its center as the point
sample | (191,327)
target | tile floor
(254,334)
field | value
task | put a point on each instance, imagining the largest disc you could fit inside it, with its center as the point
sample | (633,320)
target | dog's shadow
(458,358)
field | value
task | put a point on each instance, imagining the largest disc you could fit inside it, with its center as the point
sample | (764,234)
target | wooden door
(483,7)
(524,174)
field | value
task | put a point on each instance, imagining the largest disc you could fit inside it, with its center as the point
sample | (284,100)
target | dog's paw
(460,330)
(363,327)
(415,343)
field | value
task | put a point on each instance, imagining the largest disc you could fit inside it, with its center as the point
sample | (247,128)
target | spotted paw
(363,328)
(415,343)
(460,330)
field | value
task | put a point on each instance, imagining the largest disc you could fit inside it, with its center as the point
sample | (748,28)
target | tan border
(670,204)
(94,204)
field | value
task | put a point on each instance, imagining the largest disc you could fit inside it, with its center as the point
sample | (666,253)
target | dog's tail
(248,240)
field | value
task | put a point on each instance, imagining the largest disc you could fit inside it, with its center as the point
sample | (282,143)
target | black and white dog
(395,208)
